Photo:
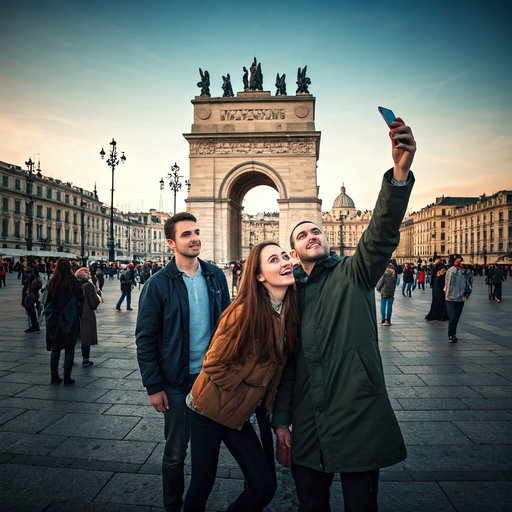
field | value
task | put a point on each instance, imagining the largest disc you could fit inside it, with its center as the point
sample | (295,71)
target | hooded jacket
(333,391)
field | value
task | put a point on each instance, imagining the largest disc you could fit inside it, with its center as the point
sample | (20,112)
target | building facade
(39,212)
(479,228)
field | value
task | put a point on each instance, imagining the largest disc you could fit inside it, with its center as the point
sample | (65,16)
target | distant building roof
(455,201)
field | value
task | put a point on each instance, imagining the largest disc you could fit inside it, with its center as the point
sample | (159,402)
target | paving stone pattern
(96,446)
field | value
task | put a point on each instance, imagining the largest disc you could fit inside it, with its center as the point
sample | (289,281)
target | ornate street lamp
(30,195)
(174,182)
(112,162)
(82,248)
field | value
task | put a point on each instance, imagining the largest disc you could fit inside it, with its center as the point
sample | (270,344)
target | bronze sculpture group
(252,80)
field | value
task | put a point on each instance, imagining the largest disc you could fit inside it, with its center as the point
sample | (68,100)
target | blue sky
(74,74)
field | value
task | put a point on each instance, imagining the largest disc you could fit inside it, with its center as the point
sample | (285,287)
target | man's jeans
(454,310)
(177,434)
(313,490)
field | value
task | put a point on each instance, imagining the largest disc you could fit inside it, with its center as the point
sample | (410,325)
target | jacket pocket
(362,374)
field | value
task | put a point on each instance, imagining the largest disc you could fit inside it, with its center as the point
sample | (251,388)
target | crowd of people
(451,286)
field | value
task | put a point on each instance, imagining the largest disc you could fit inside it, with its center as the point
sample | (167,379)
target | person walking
(178,310)
(332,392)
(458,288)
(88,325)
(497,280)
(242,368)
(386,286)
(3,274)
(62,309)
(127,280)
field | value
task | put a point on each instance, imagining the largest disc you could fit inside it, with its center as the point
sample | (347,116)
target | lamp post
(30,195)
(112,162)
(342,246)
(174,182)
(82,247)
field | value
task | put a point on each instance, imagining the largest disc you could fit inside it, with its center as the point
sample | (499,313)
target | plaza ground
(96,446)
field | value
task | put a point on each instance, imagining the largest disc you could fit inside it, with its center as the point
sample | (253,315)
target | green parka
(332,391)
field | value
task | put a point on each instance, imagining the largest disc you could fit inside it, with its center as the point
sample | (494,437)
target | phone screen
(387,114)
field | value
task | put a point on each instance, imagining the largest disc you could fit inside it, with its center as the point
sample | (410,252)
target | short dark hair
(292,241)
(170,223)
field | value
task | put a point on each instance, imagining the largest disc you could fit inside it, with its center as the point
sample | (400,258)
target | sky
(75,74)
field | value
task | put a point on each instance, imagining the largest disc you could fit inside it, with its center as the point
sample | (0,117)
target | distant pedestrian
(3,273)
(30,296)
(458,288)
(497,279)
(421,278)
(438,305)
(62,310)
(127,279)
(408,277)
(386,286)
(88,326)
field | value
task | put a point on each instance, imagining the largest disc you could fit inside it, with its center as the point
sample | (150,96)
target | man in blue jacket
(178,310)
(333,391)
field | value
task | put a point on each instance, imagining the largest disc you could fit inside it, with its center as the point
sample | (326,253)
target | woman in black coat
(62,309)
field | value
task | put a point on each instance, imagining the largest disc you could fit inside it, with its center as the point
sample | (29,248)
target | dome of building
(343,201)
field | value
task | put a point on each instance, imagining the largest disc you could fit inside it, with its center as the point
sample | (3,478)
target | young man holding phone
(333,392)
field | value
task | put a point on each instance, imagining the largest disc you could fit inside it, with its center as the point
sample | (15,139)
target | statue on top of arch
(253,77)
(303,81)
(204,84)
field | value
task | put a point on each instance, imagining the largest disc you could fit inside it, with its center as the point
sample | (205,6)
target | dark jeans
(313,490)
(454,310)
(128,295)
(177,434)
(206,438)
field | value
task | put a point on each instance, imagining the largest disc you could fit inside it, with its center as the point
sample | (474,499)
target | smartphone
(387,114)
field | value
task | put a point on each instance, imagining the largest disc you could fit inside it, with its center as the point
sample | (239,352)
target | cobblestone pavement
(97,445)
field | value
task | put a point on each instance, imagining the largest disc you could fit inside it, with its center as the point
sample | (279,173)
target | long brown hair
(252,327)
(63,278)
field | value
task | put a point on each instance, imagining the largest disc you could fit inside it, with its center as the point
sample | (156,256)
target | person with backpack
(127,279)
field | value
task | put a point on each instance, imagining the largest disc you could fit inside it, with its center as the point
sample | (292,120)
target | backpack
(123,276)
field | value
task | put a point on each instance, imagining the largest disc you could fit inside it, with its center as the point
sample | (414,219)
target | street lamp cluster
(112,162)
(174,182)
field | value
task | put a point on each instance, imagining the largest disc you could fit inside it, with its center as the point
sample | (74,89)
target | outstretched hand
(403,148)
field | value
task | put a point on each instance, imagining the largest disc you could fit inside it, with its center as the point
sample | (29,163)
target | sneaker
(498,300)
(129,309)
(87,363)
(118,309)
(32,329)
(387,324)
(452,339)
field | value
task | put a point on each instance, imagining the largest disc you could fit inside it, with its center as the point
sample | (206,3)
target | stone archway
(240,143)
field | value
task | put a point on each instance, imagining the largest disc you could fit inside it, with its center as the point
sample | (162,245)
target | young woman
(243,367)
(62,309)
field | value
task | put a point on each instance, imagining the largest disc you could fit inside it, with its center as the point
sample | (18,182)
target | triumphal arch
(243,141)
